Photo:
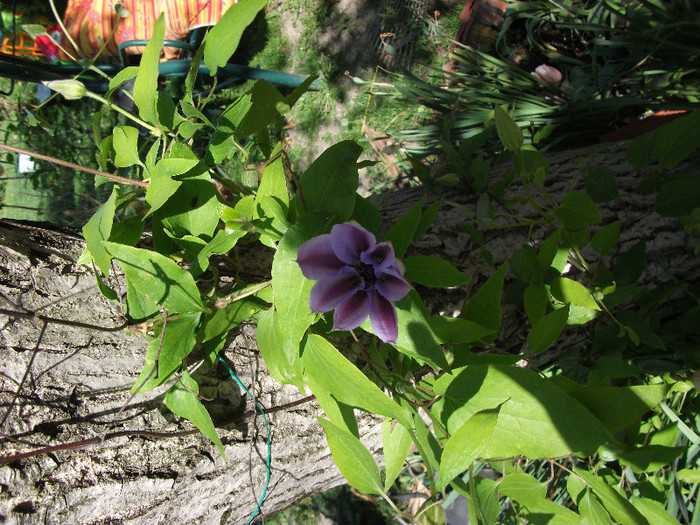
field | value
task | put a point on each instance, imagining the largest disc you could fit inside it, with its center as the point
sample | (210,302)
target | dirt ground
(357,36)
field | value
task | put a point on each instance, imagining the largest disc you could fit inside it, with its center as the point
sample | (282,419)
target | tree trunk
(148,469)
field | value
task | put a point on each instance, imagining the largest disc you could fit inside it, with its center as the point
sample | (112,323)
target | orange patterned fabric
(181,16)
(91,22)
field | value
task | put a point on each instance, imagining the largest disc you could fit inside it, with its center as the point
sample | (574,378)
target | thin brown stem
(288,169)
(46,319)
(115,178)
(139,433)
(35,351)
(147,378)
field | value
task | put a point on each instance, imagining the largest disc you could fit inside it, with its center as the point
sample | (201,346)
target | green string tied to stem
(267,429)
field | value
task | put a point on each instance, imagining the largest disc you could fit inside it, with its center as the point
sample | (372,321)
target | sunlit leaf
(146,84)
(175,344)
(222,40)
(397,442)
(158,278)
(467,444)
(352,459)
(182,400)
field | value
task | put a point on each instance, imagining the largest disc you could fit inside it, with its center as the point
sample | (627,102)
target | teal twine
(267,429)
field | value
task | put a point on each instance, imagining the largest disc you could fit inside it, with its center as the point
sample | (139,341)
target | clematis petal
(380,257)
(349,240)
(392,286)
(352,312)
(383,316)
(331,291)
(317,259)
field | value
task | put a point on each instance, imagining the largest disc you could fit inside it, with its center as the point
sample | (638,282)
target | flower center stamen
(366,271)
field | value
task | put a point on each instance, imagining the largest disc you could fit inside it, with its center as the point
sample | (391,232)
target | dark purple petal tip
(382,314)
(317,259)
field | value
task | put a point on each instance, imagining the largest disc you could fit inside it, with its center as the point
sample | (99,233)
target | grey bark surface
(80,378)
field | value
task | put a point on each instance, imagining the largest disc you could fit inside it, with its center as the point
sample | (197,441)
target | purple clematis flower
(355,275)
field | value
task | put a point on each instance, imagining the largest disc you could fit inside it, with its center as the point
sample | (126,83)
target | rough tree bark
(79,378)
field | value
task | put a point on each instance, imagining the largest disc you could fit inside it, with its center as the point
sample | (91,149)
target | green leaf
(577,208)
(538,419)
(222,243)
(397,442)
(619,407)
(592,512)
(138,306)
(605,238)
(618,507)
(535,299)
(335,374)
(158,278)
(302,88)
(192,209)
(449,330)
(687,475)
(508,130)
(678,197)
(575,487)
(168,117)
(340,414)
(352,459)
(630,265)
(222,144)
(549,513)
(123,76)
(98,229)
(172,167)
(125,144)
(105,290)
(650,458)
(162,185)
(177,343)
(181,400)
(366,214)
(264,98)
(549,250)
(600,183)
(330,183)
(487,500)
(572,292)
(273,182)
(226,318)
(426,219)
(146,84)
(160,189)
(427,443)
(402,231)
(678,139)
(466,445)
(641,150)
(290,288)
(655,511)
(525,265)
(431,271)
(416,338)
(278,351)
(484,307)
(545,331)
(523,488)
(221,42)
